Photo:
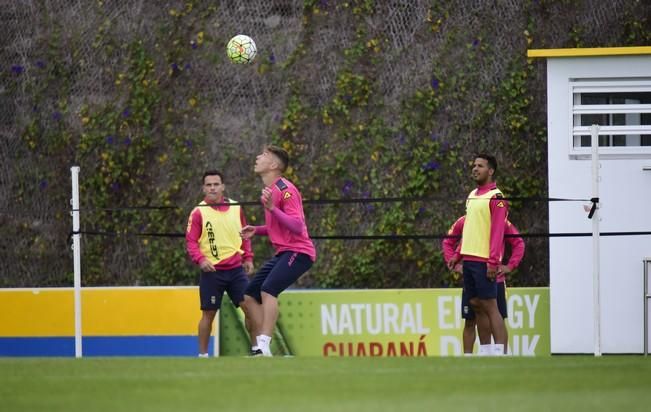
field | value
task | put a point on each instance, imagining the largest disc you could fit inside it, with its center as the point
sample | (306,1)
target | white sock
(254,348)
(203,355)
(264,344)
(497,349)
(485,350)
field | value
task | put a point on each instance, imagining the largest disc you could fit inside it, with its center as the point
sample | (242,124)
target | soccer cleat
(256,353)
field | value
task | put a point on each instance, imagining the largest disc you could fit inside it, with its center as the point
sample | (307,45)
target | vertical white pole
(215,342)
(594,131)
(76,248)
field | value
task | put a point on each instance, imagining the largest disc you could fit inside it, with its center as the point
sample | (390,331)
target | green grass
(563,383)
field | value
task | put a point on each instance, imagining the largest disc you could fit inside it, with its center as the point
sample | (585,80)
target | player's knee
(208,315)
(268,295)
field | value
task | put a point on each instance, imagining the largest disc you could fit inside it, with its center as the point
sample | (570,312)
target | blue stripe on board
(102,346)
(53,346)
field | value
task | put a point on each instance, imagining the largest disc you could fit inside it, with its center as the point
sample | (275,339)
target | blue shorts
(213,284)
(475,281)
(467,311)
(278,273)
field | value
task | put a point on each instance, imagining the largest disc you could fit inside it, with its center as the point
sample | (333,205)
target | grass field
(561,383)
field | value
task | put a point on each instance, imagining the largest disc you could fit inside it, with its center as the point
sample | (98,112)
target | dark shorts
(467,311)
(475,282)
(212,286)
(278,273)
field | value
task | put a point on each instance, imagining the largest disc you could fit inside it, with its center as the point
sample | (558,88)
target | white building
(610,87)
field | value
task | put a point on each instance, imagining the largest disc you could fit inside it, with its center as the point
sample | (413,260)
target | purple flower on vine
(127,141)
(475,43)
(272,58)
(188,143)
(434,83)
(42,184)
(193,44)
(187,66)
(430,166)
(115,186)
(126,112)
(110,139)
(17,69)
(40,64)
(348,186)
(57,116)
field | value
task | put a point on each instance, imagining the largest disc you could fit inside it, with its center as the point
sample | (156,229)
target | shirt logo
(500,204)
(211,240)
(286,195)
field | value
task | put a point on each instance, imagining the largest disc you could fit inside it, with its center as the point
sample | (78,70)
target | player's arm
(287,210)
(450,244)
(499,212)
(247,257)
(249,231)
(517,246)
(192,235)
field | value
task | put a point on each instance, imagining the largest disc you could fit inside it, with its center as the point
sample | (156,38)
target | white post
(216,336)
(76,248)
(594,131)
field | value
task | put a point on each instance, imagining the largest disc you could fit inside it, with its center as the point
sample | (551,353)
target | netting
(61,56)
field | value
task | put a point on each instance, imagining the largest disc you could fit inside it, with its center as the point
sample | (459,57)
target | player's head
(484,168)
(213,185)
(272,159)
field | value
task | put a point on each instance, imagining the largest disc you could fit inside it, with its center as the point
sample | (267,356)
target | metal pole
(216,336)
(76,248)
(647,295)
(594,131)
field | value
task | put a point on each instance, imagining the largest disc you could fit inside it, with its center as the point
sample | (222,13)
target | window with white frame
(622,109)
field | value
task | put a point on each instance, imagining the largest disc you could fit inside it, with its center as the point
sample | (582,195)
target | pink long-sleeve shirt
(451,245)
(285,223)
(194,233)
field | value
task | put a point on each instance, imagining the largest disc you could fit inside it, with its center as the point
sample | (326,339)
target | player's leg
(469,336)
(468,314)
(483,328)
(236,288)
(211,289)
(205,328)
(487,301)
(287,269)
(252,302)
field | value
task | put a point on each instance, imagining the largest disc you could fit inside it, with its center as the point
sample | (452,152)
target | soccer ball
(241,49)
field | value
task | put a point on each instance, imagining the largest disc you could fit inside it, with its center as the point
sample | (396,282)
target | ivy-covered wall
(370,98)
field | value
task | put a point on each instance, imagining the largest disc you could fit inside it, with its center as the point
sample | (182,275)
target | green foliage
(350,141)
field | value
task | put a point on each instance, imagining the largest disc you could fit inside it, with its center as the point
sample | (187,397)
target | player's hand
(248,267)
(458,268)
(266,198)
(247,232)
(504,269)
(206,266)
(452,263)
(491,273)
